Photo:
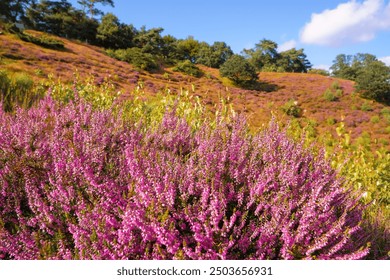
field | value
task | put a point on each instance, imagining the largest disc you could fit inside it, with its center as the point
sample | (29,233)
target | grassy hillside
(323,108)
(363,120)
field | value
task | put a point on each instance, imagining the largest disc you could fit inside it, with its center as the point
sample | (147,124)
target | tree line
(92,25)
(371,76)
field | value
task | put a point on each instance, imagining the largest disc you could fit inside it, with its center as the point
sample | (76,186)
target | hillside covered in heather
(274,90)
(123,143)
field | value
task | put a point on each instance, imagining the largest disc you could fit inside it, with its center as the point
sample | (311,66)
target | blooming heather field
(82,183)
(156,172)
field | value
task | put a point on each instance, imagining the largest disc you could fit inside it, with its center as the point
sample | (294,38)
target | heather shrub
(335,85)
(292,108)
(81,183)
(329,96)
(366,107)
(331,121)
(375,119)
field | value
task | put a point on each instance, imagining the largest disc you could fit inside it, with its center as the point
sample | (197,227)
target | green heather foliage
(333,93)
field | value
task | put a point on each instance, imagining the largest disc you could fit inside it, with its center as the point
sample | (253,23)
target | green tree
(239,70)
(263,56)
(90,5)
(293,60)
(113,34)
(62,19)
(14,10)
(215,55)
(188,49)
(373,81)
(342,67)
(169,50)
(149,40)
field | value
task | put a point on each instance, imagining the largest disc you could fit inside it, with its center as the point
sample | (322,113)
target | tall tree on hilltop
(90,6)
(239,70)
(113,34)
(293,60)
(14,9)
(149,40)
(62,19)
(372,76)
(188,49)
(264,55)
(341,67)
(215,55)
(349,66)
(373,81)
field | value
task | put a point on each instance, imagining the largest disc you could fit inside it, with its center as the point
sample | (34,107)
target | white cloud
(349,22)
(287,46)
(385,59)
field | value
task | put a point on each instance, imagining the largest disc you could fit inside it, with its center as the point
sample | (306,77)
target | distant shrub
(375,119)
(331,121)
(339,93)
(291,108)
(79,183)
(318,71)
(136,57)
(43,41)
(333,93)
(329,96)
(385,111)
(335,85)
(366,107)
(188,68)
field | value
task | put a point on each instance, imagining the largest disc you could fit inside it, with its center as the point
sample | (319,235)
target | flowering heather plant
(82,183)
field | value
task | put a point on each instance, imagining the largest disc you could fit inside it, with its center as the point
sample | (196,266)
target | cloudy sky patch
(349,22)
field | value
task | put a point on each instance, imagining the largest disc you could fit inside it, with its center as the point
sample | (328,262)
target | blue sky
(323,29)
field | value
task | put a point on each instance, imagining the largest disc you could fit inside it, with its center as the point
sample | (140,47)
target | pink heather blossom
(81,183)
